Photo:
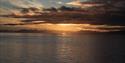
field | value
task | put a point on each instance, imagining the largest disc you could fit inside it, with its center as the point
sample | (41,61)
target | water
(61,48)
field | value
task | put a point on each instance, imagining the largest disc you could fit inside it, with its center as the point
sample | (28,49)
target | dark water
(61,48)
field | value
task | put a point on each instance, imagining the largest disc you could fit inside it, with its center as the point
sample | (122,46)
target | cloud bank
(6,6)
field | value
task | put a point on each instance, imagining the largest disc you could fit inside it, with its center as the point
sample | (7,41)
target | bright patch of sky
(24,3)
(55,3)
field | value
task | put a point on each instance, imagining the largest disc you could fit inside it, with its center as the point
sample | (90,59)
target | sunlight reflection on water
(57,48)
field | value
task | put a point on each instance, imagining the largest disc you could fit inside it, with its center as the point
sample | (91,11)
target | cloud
(26,3)
(7,6)
(74,3)
(20,4)
(120,4)
(59,2)
(56,28)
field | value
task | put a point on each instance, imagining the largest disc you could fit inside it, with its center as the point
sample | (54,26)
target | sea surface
(61,48)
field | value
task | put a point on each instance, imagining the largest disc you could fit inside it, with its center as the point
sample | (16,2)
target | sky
(7,5)
(56,3)
(45,3)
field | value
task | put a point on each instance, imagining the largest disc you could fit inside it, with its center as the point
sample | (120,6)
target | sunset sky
(6,6)
(45,3)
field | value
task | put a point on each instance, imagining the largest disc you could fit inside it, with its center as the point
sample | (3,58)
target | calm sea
(61,48)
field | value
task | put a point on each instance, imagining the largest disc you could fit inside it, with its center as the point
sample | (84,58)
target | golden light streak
(60,27)
(74,27)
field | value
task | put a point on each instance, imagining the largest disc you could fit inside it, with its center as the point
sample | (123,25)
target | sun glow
(73,27)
